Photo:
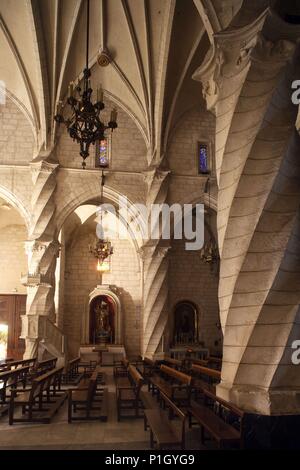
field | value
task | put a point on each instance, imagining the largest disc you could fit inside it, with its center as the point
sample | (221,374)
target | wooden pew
(219,419)
(204,378)
(162,431)
(147,369)
(9,380)
(175,363)
(15,364)
(32,400)
(46,365)
(128,394)
(71,374)
(84,398)
(215,362)
(172,383)
(121,368)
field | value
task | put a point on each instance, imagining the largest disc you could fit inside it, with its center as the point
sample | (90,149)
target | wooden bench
(172,383)
(204,378)
(219,419)
(147,368)
(121,368)
(175,363)
(32,400)
(9,380)
(71,374)
(85,398)
(128,392)
(46,365)
(16,364)
(215,362)
(162,431)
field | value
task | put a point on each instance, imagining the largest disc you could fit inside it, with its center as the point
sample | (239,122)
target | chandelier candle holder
(209,252)
(84,124)
(102,250)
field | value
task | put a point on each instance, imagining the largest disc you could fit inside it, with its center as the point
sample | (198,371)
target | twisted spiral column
(42,250)
(258,222)
(155,262)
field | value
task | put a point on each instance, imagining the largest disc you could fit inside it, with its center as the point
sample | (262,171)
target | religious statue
(103,329)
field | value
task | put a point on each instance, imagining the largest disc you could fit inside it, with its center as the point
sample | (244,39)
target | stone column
(155,268)
(258,178)
(42,250)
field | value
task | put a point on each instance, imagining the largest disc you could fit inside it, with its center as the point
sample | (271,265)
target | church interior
(118,330)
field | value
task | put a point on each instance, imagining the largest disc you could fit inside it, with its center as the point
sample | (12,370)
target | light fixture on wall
(209,252)
(84,124)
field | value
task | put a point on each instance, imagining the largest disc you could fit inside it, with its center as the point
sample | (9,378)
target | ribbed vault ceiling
(155,46)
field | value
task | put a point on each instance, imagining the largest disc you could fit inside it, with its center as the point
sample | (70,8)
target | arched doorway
(102,320)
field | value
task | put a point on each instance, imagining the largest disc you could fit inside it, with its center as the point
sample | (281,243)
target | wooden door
(11,309)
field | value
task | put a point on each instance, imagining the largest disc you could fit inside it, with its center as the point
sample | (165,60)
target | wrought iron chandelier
(209,252)
(103,247)
(84,125)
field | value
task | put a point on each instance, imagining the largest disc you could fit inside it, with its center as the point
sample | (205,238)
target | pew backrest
(176,375)
(210,373)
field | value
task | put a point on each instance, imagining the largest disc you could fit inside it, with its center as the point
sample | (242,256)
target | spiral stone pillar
(155,261)
(257,154)
(42,251)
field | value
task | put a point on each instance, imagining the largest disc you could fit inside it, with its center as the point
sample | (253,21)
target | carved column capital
(229,56)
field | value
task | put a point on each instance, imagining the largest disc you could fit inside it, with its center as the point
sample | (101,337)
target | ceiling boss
(83,122)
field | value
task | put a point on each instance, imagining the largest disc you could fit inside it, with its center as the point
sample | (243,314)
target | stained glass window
(203,159)
(102,154)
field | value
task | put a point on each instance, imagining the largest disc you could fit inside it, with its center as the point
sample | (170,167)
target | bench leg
(151,440)
(202,435)
(70,408)
(190,419)
(11,413)
(145,423)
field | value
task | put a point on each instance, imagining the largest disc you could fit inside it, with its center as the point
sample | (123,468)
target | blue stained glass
(103,154)
(203,159)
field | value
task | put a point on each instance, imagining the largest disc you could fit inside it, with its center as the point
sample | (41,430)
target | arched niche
(185,323)
(113,294)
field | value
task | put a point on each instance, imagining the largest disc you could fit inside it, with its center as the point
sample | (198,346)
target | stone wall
(13,260)
(16,138)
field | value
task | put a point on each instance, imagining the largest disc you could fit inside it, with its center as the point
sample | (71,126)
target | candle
(99,94)
(70,89)
(59,107)
(113,115)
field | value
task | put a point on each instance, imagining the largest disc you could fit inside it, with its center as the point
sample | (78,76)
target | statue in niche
(103,329)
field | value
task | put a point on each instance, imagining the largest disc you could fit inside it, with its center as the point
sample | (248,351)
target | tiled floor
(127,434)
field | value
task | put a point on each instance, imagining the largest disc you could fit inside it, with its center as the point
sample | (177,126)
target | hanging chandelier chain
(87,32)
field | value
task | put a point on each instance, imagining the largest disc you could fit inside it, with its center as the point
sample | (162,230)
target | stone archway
(113,293)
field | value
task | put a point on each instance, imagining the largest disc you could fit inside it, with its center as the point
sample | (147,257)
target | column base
(272,417)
